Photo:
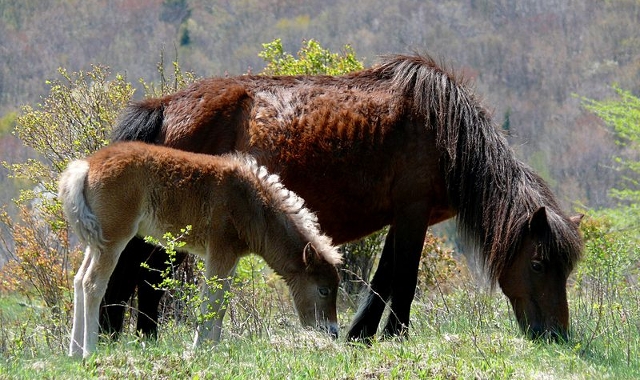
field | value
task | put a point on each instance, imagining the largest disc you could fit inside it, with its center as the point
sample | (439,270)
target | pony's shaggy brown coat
(404,144)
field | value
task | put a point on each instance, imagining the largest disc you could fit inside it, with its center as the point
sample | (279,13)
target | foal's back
(148,190)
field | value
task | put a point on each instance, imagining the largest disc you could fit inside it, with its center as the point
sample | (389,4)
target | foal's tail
(74,203)
(140,121)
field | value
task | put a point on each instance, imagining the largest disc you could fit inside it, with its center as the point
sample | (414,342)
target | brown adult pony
(234,207)
(403,144)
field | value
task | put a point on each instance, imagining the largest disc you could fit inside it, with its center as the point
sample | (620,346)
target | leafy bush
(74,120)
(606,303)
(623,116)
(606,282)
(439,268)
(312,59)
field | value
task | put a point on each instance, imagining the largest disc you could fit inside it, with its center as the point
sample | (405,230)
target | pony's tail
(74,204)
(141,121)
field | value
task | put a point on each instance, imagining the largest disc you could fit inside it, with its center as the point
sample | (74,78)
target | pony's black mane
(493,193)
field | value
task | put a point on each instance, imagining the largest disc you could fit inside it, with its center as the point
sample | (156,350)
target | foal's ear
(310,255)
(538,222)
(576,219)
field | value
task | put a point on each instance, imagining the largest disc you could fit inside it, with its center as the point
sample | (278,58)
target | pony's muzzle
(557,334)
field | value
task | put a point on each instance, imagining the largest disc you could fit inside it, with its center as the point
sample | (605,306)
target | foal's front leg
(214,303)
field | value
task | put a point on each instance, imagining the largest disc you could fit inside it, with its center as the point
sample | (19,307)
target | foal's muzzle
(332,329)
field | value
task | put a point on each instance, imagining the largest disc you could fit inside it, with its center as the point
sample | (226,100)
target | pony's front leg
(409,240)
(365,323)
(214,303)
(76,345)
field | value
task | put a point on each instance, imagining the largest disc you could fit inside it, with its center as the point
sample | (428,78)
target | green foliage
(73,120)
(623,116)
(7,122)
(179,79)
(607,279)
(606,306)
(610,255)
(438,266)
(185,296)
(358,260)
(312,59)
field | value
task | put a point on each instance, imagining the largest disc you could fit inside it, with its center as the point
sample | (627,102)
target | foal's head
(535,279)
(314,291)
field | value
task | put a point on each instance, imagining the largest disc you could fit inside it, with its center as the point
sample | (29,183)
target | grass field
(466,333)
(459,330)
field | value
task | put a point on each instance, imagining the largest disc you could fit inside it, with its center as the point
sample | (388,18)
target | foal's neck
(284,255)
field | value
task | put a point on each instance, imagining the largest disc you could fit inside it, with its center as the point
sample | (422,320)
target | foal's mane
(291,206)
(493,192)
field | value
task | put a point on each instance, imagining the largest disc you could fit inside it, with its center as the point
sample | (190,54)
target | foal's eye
(324,291)
(537,266)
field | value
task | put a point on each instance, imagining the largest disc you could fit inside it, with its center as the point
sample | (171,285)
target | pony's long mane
(291,206)
(493,193)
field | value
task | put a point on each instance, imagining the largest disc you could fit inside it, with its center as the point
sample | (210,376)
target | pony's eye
(324,291)
(537,266)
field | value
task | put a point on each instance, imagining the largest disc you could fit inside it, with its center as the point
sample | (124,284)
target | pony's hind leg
(148,296)
(76,345)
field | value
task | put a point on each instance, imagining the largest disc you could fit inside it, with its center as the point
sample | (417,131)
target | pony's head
(535,278)
(314,291)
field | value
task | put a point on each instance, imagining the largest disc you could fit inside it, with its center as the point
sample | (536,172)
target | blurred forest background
(531,62)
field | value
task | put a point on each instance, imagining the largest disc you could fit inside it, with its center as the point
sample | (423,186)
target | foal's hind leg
(77,331)
(94,283)
(122,285)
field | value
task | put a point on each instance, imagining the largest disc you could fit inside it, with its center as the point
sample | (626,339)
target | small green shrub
(606,305)
(312,59)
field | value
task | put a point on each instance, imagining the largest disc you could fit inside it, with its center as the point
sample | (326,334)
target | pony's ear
(310,255)
(538,222)
(576,219)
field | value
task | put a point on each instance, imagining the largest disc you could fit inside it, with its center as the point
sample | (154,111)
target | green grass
(465,334)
